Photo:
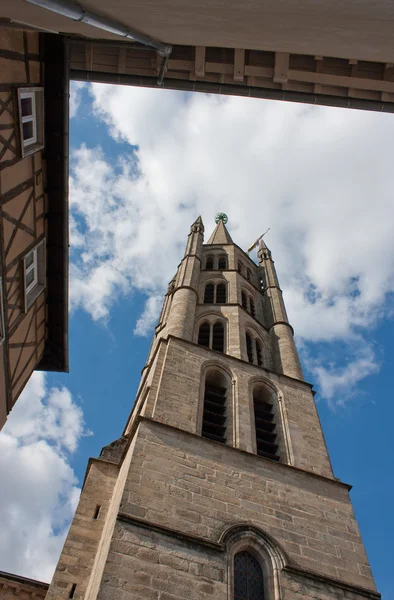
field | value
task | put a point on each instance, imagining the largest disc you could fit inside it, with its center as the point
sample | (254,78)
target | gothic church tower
(221,487)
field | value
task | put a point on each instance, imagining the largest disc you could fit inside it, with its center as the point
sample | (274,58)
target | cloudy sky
(144,164)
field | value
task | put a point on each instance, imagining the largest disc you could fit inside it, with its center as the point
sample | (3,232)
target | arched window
(252,308)
(204,334)
(218,337)
(212,336)
(241,267)
(248,274)
(249,348)
(215,293)
(214,416)
(244,301)
(248,577)
(265,424)
(222,263)
(221,293)
(209,263)
(259,353)
(209,293)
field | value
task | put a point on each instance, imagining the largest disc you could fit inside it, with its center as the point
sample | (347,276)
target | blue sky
(144,164)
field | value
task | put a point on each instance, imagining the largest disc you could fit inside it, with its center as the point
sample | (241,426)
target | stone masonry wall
(178,395)
(147,565)
(199,487)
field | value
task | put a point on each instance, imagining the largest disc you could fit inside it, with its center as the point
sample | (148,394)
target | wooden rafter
(247,73)
(18,224)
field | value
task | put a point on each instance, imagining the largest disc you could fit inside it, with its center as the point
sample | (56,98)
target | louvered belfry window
(211,336)
(221,293)
(222,263)
(244,301)
(249,348)
(214,416)
(252,308)
(209,293)
(218,337)
(203,335)
(259,353)
(266,436)
(248,578)
(209,263)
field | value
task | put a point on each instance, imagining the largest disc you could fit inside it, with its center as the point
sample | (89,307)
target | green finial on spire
(221,217)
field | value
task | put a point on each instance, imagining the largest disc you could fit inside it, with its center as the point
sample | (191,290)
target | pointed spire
(220,235)
(197,226)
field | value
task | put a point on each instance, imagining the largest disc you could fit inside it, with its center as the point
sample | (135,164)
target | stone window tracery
(212,336)
(215,293)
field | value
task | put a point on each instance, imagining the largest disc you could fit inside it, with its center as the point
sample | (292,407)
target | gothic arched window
(252,308)
(248,577)
(218,337)
(264,419)
(209,293)
(248,274)
(214,416)
(212,336)
(241,267)
(215,293)
(222,263)
(244,301)
(259,353)
(204,334)
(209,263)
(249,348)
(221,293)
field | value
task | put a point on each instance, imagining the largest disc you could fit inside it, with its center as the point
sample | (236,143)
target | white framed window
(2,323)
(34,273)
(31,117)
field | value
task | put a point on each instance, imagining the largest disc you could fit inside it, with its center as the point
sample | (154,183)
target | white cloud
(338,383)
(39,490)
(149,317)
(76,88)
(320,178)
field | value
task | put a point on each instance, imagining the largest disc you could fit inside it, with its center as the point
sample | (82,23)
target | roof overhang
(54,49)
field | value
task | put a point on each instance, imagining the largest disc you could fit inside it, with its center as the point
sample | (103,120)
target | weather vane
(221,217)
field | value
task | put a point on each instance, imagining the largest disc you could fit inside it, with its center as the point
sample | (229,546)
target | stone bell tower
(221,487)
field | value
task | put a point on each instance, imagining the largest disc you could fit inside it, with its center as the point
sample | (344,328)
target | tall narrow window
(248,274)
(209,293)
(31,118)
(209,263)
(203,335)
(34,273)
(248,577)
(214,416)
(218,337)
(249,348)
(259,353)
(240,268)
(222,263)
(244,301)
(221,293)
(252,308)
(265,426)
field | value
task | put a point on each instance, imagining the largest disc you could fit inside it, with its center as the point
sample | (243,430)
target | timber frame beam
(319,80)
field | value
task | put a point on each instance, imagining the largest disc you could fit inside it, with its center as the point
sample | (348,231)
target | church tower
(221,487)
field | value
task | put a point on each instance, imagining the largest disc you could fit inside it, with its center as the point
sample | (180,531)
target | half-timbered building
(33,211)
